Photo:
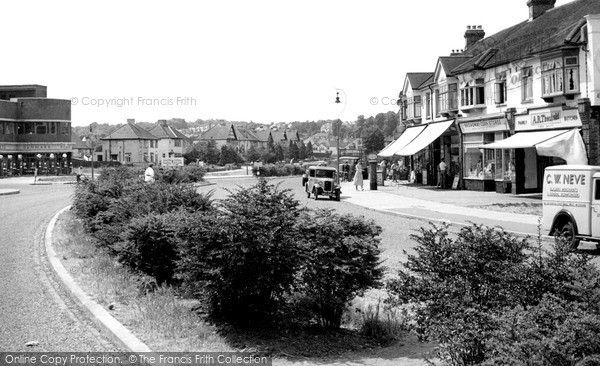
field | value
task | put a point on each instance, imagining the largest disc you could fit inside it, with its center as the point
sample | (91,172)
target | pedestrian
(442,174)
(395,171)
(149,174)
(358,177)
(346,171)
(79,174)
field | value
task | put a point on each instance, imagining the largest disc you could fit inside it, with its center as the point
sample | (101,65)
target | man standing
(346,171)
(442,174)
(149,174)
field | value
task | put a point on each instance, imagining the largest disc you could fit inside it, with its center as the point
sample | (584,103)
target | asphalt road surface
(33,307)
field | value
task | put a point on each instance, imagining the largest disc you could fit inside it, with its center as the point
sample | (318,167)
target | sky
(262,60)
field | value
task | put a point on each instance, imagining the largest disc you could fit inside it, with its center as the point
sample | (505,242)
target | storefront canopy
(566,144)
(431,132)
(406,138)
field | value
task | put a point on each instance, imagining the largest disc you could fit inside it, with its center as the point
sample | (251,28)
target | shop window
(527,85)
(479,163)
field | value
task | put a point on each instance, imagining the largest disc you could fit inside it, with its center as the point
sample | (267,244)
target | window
(437,101)
(428,105)
(571,74)
(128,157)
(177,143)
(417,106)
(500,89)
(527,85)
(52,127)
(479,163)
(560,76)
(447,97)
(41,128)
(473,94)
(65,128)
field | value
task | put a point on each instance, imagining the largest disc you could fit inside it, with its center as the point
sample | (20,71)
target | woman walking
(358,177)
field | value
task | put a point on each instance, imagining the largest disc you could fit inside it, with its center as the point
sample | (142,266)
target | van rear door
(595,205)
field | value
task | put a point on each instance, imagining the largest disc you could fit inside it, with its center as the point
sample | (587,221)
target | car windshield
(325,173)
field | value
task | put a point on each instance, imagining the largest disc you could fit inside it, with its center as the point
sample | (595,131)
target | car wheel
(567,231)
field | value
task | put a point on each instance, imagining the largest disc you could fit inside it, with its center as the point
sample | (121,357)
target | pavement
(445,205)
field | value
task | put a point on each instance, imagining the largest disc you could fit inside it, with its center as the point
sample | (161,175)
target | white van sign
(570,179)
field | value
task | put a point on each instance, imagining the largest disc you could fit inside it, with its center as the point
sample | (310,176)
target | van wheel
(567,231)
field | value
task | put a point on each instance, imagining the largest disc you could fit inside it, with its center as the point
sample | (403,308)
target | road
(33,307)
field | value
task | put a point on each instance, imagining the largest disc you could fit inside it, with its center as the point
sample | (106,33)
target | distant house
(171,142)
(81,149)
(130,144)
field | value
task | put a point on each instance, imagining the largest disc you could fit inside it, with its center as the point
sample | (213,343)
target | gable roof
(418,79)
(552,30)
(79,143)
(218,132)
(130,131)
(164,131)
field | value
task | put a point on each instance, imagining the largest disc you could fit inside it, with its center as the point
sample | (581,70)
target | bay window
(473,94)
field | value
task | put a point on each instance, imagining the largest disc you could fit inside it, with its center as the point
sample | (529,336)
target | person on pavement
(149,174)
(442,174)
(358,177)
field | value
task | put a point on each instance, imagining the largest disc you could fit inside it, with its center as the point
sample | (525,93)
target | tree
(252,154)
(373,139)
(309,150)
(302,151)
(279,152)
(294,151)
(211,153)
(228,156)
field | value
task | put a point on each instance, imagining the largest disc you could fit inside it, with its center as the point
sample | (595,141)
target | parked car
(322,181)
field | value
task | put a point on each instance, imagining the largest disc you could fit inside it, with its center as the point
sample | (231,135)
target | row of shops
(506,153)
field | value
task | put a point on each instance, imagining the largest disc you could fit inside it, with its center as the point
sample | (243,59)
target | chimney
(473,34)
(539,7)
(131,121)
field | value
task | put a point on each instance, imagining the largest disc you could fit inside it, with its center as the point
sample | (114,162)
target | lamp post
(339,125)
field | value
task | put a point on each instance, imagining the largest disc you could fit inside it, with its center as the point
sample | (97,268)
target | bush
(278,170)
(244,259)
(341,261)
(185,174)
(485,287)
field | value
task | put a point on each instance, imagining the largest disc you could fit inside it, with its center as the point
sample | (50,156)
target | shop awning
(432,132)
(522,140)
(406,138)
(566,144)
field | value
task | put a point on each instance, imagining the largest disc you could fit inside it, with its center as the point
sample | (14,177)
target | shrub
(486,288)
(185,174)
(244,259)
(341,261)
(278,170)
(151,245)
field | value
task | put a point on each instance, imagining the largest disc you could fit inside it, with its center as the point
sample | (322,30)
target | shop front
(436,141)
(543,137)
(30,158)
(485,169)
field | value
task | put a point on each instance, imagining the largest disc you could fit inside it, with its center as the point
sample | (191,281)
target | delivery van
(571,203)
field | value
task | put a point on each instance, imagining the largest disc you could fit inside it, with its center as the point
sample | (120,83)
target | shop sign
(485,125)
(548,118)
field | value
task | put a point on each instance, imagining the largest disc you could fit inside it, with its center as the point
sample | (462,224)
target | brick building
(35,131)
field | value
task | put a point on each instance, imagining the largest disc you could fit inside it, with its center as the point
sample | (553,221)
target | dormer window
(472,95)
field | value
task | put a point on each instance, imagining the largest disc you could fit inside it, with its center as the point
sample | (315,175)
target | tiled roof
(217,132)
(417,79)
(449,63)
(130,131)
(79,143)
(166,132)
(263,135)
(278,135)
(549,31)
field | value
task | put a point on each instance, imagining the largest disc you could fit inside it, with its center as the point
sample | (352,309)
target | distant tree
(279,152)
(252,154)
(391,123)
(373,139)
(229,156)
(309,150)
(194,154)
(302,151)
(211,153)
(294,151)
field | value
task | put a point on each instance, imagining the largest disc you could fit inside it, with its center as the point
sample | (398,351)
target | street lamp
(339,125)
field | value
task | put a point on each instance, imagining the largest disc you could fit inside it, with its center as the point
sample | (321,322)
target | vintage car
(322,181)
